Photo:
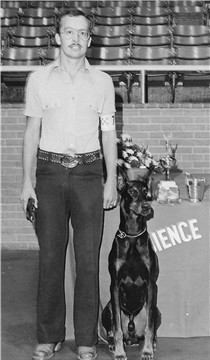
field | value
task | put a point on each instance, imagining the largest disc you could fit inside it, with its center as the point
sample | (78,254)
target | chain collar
(121,234)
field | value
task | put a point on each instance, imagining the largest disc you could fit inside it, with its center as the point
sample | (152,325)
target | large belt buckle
(69,161)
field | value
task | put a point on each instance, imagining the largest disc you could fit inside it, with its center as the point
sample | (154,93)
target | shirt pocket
(92,102)
(50,100)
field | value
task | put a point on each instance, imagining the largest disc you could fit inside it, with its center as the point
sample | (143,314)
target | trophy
(167,189)
(168,161)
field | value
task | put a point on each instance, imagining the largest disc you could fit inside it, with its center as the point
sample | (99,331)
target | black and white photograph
(105,180)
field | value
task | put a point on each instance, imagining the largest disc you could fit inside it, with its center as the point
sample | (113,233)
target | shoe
(46,351)
(87,354)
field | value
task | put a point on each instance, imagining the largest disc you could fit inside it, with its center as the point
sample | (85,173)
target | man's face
(71,37)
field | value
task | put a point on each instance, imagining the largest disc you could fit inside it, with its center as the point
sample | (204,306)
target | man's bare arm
(30,146)
(110,156)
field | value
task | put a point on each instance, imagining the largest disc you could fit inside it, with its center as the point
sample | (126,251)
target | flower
(133,156)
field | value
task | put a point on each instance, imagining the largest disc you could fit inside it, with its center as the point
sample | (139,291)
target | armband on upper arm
(108,122)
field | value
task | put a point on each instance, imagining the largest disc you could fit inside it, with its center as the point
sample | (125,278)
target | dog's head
(136,196)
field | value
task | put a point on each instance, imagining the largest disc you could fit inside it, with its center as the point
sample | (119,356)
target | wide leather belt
(67,160)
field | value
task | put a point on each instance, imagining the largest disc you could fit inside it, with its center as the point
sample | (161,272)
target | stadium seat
(4,37)
(30,36)
(151,55)
(79,4)
(180,12)
(154,11)
(107,41)
(20,56)
(37,17)
(29,42)
(9,17)
(185,3)
(14,4)
(111,55)
(31,32)
(158,30)
(191,30)
(147,20)
(116,3)
(191,35)
(111,31)
(45,4)
(112,21)
(49,55)
(151,4)
(191,40)
(188,9)
(189,55)
(164,40)
(113,11)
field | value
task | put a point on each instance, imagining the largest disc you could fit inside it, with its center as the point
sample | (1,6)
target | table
(180,235)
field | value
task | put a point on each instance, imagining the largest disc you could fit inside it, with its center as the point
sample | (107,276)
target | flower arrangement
(133,156)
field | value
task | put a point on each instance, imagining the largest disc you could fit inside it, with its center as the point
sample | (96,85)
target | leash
(121,234)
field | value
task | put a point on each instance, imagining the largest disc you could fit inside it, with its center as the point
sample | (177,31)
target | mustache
(75,43)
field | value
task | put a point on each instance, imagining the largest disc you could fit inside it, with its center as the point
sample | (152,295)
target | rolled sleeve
(33,106)
(107,116)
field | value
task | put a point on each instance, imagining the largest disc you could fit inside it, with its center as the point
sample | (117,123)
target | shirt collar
(56,65)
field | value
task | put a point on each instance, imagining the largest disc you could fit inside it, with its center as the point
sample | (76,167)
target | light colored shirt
(71,112)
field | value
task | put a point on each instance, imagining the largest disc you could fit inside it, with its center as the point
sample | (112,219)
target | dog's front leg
(148,351)
(119,353)
(148,348)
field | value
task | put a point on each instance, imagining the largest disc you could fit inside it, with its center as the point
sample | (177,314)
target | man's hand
(110,195)
(28,192)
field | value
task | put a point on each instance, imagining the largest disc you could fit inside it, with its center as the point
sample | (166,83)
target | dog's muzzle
(143,209)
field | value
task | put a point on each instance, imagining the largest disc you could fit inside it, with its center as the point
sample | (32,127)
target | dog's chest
(140,324)
(132,257)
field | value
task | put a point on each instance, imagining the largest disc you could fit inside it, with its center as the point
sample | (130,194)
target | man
(66,102)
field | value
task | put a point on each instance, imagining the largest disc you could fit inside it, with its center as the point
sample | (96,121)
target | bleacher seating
(112,20)
(151,55)
(124,32)
(44,4)
(197,55)
(37,17)
(49,55)
(109,55)
(9,17)
(20,56)
(14,4)
(162,40)
(30,36)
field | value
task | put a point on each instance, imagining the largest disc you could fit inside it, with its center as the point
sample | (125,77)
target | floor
(19,282)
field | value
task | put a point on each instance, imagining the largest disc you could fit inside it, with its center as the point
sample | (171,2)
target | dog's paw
(120,357)
(110,339)
(147,356)
(111,348)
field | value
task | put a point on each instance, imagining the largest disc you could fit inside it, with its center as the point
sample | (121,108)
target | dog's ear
(122,178)
(121,181)
(149,183)
(150,188)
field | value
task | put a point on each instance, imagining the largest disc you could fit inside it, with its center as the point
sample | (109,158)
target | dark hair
(72,13)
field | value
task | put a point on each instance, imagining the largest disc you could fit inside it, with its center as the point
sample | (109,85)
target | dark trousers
(64,194)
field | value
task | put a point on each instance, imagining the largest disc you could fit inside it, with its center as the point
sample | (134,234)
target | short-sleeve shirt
(71,112)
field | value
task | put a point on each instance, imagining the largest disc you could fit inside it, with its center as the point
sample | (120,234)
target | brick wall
(17,232)
(189,125)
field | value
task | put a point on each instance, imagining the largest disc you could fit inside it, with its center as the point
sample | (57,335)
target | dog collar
(121,234)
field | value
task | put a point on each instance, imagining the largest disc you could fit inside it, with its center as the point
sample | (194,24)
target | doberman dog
(131,314)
